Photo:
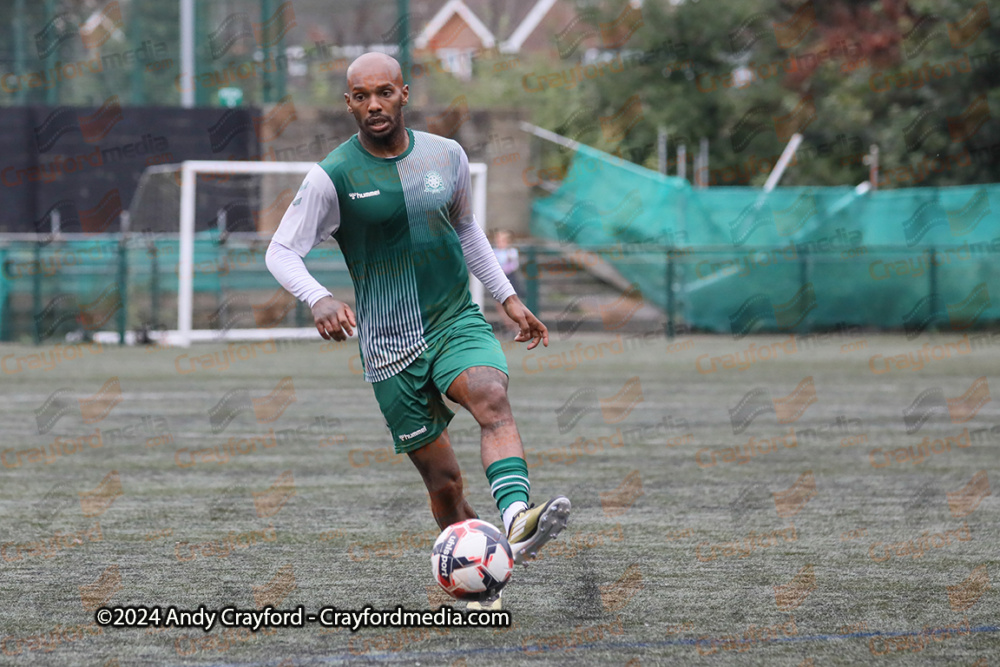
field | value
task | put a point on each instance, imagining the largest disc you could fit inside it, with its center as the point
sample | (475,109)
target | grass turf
(669,558)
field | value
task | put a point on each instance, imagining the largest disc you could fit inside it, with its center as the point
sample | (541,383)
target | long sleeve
(288,269)
(482,262)
(311,218)
(476,248)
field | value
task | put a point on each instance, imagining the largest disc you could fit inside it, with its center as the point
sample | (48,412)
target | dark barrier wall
(85,162)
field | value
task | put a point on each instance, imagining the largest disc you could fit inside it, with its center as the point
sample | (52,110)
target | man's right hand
(334,319)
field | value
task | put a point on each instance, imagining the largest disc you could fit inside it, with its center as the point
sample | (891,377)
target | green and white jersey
(395,220)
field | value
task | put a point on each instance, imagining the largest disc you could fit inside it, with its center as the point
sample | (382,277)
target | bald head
(375,97)
(372,67)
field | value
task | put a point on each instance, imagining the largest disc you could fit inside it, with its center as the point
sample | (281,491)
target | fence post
(803,281)
(154,285)
(267,30)
(122,288)
(933,300)
(671,303)
(531,273)
(36,293)
(4,311)
(300,313)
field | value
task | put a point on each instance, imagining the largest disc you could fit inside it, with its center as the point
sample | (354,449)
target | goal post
(190,172)
(185,269)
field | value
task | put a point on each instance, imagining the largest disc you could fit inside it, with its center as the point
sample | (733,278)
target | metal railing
(51,287)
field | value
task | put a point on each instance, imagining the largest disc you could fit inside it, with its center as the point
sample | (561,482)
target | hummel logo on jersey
(362,195)
(419,431)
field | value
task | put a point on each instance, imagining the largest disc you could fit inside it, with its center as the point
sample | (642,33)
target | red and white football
(472,560)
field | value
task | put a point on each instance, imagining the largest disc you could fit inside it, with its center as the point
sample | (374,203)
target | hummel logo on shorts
(419,431)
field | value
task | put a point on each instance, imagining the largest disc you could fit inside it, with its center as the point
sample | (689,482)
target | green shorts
(411,400)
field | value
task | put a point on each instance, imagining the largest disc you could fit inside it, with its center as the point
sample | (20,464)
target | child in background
(509,263)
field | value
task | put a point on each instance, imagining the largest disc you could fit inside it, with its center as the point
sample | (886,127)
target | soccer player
(397,201)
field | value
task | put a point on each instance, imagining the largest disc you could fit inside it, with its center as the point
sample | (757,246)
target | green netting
(794,259)
(49,290)
(738,261)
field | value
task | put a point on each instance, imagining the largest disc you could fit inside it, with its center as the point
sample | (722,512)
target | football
(472,560)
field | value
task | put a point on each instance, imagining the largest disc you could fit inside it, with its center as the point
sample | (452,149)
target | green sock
(508,480)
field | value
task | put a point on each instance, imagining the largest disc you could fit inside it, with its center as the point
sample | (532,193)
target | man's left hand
(530,327)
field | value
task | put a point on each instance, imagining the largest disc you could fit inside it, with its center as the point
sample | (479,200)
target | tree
(748,75)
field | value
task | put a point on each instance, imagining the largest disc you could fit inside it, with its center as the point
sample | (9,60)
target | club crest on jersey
(433,182)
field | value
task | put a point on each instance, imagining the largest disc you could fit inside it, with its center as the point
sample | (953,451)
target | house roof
(527,26)
(502,16)
(443,15)
(508,23)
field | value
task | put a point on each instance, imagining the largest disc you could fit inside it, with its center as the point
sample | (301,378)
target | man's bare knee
(490,407)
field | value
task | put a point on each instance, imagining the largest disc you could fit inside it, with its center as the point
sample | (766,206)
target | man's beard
(389,137)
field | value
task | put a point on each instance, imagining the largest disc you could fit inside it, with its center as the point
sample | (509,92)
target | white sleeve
(479,256)
(288,269)
(482,262)
(311,218)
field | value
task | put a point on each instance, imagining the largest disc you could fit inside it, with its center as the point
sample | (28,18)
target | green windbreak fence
(795,259)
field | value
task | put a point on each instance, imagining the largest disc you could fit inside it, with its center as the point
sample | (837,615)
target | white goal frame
(184,335)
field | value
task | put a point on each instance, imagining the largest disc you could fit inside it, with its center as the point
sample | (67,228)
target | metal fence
(55,288)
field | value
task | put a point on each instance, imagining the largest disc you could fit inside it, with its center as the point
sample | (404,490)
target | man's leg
(482,390)
(418,418)
(439,468)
